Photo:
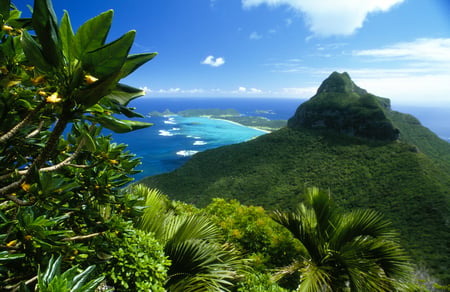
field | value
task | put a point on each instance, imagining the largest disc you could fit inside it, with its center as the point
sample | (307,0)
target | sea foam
(186,153)
(165,133)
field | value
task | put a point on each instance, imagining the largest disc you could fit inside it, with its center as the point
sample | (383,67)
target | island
(232,115)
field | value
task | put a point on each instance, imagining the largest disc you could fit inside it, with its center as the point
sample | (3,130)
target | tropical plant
(74,279)
(136,261)
(200,260)
(354,251)
(59,177)
(252,230)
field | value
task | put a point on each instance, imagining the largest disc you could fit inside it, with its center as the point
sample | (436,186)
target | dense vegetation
(406,179)
(68,223)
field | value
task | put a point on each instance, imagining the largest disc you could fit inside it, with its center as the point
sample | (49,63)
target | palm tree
(354,251)
(199,259)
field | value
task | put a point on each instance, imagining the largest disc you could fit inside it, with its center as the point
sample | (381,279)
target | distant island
(231,115)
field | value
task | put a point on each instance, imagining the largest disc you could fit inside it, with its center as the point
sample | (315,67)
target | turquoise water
(173,140)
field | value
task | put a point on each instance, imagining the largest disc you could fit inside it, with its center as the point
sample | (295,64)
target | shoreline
(236,123)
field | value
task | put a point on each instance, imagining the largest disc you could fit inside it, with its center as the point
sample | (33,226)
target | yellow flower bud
(42,93)
(113,161)
(7,28)
(28,237)
(37,80)
(12,83)
(54,98)
(90,79)
(11,243)
(25,187)
(4,70)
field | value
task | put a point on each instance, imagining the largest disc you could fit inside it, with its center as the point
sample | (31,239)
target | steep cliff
(341,105)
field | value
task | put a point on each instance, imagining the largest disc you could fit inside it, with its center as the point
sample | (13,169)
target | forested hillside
(406,178)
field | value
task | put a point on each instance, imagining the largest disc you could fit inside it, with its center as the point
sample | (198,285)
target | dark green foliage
(356,251)
(252,231)
(74,279)
(344,107)
(200,259)
(59,187)
(407,179)
(137,262)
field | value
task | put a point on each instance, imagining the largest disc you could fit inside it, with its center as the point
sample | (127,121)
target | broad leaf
(46,27)
(67,38)
(4,9)
(119,126)
(135,61)
(89,142)
(110,58)
(91,94)
(92,34)
(113,124)
(123,94)
(34,52)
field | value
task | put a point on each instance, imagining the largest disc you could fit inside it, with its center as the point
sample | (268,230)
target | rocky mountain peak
(341,105)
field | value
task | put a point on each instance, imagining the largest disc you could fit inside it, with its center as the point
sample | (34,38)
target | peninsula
(232,115)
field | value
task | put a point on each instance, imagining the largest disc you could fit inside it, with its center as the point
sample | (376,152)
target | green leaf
(110,58)
(136,125)
(135,61)
(120,126)
(6,256)
(113,124)
(24,23)
(91,94)
(67,38)
(4,9)
(46,27)
(92,34)
(123,94)
(89,142)
(34,52)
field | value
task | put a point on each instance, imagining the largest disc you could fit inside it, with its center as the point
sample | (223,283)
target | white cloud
(423,50)
(145,89)
(331,17)
(255,90)
(255,36)
(303,92)
(245,90)
(214,62)
(424,90)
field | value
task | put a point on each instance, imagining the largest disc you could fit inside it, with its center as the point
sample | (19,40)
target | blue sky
(283,48)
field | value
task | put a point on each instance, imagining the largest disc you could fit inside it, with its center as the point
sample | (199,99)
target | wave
(165,133)
(199,143)
(186,153)
(170,121)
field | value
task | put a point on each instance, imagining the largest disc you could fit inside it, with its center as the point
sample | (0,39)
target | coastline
(238,124)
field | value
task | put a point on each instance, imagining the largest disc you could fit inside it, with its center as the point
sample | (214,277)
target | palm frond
(362,223)
(315,278)
(198,264)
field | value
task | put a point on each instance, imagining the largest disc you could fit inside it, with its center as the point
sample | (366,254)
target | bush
(138,262)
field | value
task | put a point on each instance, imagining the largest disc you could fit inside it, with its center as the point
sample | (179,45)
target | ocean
(172,140)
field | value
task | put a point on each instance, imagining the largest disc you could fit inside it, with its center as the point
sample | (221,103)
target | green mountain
(350,142)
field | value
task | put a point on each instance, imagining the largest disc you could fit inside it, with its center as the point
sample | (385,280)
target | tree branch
(35,132)
(82,237)
(22,123)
